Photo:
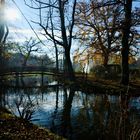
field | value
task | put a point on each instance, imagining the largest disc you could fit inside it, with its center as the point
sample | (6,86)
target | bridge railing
(28,69)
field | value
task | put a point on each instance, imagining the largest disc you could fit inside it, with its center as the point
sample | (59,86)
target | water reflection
(74,114)
(32,80)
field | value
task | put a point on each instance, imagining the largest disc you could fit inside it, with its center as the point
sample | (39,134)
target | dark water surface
(74,114)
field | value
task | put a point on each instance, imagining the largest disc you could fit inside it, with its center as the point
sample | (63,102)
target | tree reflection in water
(76,115)
(66,117)
(21,104)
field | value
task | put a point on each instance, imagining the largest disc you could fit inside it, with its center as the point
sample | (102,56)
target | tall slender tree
(125,41)
(58,26)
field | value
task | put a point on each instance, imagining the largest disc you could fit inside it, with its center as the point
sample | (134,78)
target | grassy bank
(14,128)
(103,86)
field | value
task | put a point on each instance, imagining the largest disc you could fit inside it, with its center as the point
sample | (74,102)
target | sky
(19,28)
(18,24)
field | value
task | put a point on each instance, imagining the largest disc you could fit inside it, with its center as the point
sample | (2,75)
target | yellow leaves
(7,55)
(84,34)
(4,116)
(16,129)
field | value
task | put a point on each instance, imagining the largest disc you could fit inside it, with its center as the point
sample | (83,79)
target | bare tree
(27,48)
(57,19)
(98,26)
(109,28)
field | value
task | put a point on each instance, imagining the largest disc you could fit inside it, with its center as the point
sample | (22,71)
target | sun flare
(11,14)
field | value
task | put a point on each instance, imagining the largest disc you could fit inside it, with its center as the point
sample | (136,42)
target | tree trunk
(56,55)
(2,32)
(125,65)
(3,36)
(105,61)
(68,66)
(66,45)
(125,44)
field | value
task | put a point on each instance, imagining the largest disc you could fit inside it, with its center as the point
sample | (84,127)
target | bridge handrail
(28,69)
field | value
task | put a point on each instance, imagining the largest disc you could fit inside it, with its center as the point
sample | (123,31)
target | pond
(74,114)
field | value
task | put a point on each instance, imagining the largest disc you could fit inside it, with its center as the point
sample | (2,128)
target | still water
(74,114)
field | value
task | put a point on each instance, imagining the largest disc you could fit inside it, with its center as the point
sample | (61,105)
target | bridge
(30,70)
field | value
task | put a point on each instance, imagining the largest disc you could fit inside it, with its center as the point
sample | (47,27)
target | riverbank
(14,128)
(109,87)
(91,84)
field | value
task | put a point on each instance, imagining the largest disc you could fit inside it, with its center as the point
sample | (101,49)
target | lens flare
(11,14)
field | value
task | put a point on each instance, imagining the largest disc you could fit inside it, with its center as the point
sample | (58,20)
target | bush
(109,72)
